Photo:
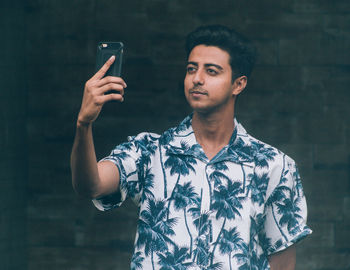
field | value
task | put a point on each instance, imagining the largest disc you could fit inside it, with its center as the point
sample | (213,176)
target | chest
(221,194)
(205,181)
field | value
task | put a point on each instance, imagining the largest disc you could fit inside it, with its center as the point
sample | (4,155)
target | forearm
(283,260)
(89,178)
(85,176)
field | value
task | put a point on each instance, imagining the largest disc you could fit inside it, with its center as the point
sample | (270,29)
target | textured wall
(297,100)
(13,159)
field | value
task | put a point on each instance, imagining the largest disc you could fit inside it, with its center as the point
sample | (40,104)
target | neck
(213,129)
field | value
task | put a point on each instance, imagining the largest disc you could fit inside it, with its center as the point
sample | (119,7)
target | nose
(198,78)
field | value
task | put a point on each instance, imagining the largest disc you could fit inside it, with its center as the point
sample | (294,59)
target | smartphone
(104,51)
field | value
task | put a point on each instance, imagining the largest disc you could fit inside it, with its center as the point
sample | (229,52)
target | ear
(238,85)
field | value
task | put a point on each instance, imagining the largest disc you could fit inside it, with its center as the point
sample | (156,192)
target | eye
(190,69)
(212,71)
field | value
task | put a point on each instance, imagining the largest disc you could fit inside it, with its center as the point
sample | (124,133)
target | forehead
(203,54)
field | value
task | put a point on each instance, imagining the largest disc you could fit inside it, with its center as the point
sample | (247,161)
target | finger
(99,74)
(110,97)
(111,86)
(111,79)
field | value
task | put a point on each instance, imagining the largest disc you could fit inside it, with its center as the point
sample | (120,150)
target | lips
(198,92)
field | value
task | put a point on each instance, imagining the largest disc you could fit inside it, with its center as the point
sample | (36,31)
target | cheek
(223,89)
(187,83)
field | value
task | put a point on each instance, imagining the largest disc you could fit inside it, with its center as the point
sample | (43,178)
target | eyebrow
(206,65)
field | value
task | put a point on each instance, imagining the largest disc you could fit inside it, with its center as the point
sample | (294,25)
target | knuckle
(111,85)
(110,79)
(107,79)
(89,84)
(97,101)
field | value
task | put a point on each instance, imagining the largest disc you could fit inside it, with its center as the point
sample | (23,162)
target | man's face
(208,82)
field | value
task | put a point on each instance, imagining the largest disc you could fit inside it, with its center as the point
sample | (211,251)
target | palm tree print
(147,147)
(217,176)
(243,257)
(285,173)
(219,173)
(147,184)
(256,262)
(265,242)
(277,195)
(214,266)
(289,210)
(203,225)
(190,226)
(185,124)
(240,150)
(257,187)
(180,165)
(185,196)
(201,219)
(155,229)
(174,260)
(165,139)
(136,261)
(298,185)
(229,242)
(146,144)
(264,154)
(201,252)
(125,146)
(227,203)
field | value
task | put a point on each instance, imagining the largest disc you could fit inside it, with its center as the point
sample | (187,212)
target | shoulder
(180,131)
(144,137)
(144,140)
(150,140)
(268,155)
(280,168)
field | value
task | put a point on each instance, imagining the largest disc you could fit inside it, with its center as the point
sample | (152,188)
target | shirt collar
(183,142)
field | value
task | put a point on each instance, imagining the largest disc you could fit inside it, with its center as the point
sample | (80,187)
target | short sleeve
(286,210)
(127,157)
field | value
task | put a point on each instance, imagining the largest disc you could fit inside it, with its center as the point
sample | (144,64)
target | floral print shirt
(229,212)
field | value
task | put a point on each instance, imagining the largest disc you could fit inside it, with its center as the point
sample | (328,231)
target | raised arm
(89,178)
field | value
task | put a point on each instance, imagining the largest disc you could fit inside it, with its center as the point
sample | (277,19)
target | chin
(201,109)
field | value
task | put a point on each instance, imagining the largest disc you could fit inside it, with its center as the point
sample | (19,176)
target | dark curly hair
(242,51)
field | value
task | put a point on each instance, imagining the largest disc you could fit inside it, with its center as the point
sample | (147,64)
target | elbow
(84,191)
(84,186)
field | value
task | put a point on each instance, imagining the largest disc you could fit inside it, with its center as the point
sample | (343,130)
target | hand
(95,93)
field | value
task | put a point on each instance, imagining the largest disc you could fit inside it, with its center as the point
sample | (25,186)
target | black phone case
(104,51)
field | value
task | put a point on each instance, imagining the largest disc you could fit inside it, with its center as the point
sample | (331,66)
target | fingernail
(112,57)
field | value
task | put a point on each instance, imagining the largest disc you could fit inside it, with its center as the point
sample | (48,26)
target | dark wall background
(297,99)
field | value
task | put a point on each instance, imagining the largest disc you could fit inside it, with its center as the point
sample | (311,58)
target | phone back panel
(104,51)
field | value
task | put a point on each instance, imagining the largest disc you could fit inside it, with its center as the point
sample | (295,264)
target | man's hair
(242,52)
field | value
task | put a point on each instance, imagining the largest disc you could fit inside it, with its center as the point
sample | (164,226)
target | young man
(210,195)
